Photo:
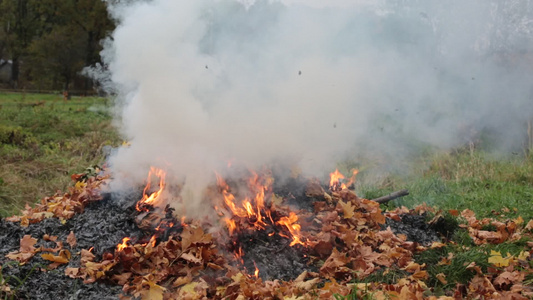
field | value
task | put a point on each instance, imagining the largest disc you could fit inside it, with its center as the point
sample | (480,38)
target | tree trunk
(15,70)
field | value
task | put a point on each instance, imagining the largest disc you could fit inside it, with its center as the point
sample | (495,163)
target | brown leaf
(307,285)
(378,217)
(26,251)
(481,285)
(420,275)
(72,272)
(442,278)
(191,258)
(507,278)
(454,212)
(71,239)
(62,258)
(529,225)
(27,243)
(86,256)
(314,189)
(122,278)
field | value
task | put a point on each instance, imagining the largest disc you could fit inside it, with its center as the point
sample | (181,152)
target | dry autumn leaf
(26,251)
(71,239)
(154,292)
(442,278)
(529,225)
(347,209)
(62,258)
(497,259)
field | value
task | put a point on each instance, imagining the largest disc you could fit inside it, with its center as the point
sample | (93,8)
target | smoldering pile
(104,245)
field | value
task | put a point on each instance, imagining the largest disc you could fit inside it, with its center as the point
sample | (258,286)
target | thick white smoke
(202,82)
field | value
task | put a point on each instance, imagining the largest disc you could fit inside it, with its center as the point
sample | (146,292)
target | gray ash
(102,225)
(414,227)
(273,255)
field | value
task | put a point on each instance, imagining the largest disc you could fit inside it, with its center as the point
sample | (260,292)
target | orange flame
(124,244)
(249,208)
(152,241)
(335,183)
(256,273)
(335,178)
(352,179)
(231,225)
(293,228)
(253,209)
(153,198)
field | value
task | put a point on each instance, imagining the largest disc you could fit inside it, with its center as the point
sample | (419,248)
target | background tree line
(44,44)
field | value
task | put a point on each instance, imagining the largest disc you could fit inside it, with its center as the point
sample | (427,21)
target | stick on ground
(391,196)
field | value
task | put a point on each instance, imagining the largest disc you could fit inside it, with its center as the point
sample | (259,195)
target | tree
(50,41)
(56,57)
(20,23)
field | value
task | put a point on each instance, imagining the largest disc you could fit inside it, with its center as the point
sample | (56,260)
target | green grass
(461,181)
(44,139)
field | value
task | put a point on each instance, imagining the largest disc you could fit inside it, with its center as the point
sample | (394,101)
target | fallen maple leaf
(26,251)
(72,272)
(347,209)
(71,239)
(497,259)
(507,278)
(155,292)
(191,258)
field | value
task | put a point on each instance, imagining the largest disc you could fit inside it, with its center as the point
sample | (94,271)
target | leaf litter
(73,246)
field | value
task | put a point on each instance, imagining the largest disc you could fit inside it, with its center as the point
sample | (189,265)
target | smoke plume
(204,82)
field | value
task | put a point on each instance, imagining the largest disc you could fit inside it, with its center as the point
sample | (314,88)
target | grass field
(465,180)
(44,139)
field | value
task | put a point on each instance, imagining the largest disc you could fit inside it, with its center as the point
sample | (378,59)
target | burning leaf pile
(264,243)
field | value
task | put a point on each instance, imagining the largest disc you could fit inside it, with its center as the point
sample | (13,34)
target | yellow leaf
(154,293)
(347,209)
(523,255)
(189,289)
(80,185)
(497,259)
(237,277)
(519,220)
(442,278)
(437,245)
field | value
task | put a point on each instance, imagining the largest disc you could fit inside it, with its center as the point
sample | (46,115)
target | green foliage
(54,39)
(40,145)
(455,270)
(473,180)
